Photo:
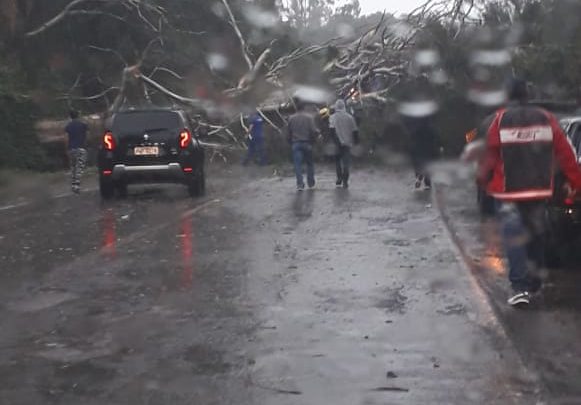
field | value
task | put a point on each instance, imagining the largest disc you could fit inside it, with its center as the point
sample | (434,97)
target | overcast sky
(392,6)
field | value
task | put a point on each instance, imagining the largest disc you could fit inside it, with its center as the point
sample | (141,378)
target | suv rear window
(146,121)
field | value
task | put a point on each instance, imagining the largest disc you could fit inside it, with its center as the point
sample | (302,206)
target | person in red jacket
(524,144)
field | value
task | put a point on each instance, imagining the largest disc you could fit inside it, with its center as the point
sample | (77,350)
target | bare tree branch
(62,15)
(166,70)
(109,50)
(272,124)
(91,98)
(243,45)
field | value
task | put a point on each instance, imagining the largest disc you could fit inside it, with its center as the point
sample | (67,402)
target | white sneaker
(520,299)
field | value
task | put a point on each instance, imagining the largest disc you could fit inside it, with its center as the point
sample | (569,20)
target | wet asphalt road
(255,294)
(547,334)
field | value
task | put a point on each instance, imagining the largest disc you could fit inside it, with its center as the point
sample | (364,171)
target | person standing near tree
(345,133)
(76,139)
(256,146)
(301,133)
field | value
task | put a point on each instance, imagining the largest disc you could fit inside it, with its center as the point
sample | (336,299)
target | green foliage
(19,145)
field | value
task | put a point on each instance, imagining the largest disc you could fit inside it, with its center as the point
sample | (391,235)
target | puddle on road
(42,301)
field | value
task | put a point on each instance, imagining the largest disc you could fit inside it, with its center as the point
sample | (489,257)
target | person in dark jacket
(523,145)
(423,148)
(76,131)
(302,132)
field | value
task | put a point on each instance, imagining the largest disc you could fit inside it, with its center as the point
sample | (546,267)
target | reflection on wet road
(187,250)
(256,294)
(109,230)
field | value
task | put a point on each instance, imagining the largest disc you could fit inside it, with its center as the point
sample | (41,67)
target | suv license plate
(146,151)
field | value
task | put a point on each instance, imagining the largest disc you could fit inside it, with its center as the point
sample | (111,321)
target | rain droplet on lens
(498,57)
(217,61)
(312,94)
(439,77)
(427,57)
(487,98)
(417,109)
(218,9)
(402,29)
(345,30)
(260,17)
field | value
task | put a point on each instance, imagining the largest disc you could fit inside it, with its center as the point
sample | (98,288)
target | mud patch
(393,300)
(378,221)
(206,360)
(397,242)
(457,309)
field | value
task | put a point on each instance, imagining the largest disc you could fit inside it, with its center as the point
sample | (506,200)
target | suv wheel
(121,189)
(106,188)
(197,184)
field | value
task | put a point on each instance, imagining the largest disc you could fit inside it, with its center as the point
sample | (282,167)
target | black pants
(422,173)
(343,163)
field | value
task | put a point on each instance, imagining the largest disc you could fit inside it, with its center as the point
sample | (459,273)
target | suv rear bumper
(163,172)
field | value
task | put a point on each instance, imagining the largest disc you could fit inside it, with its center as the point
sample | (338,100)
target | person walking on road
(301,133)
(76,139)
(523,143)
(345,133)
(423,148)
(256,148)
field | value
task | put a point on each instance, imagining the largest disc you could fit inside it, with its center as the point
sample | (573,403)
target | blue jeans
(303,152)
(256,149)
(523,229)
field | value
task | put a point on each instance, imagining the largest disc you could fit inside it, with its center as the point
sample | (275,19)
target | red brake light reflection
(185,138)
(108,141)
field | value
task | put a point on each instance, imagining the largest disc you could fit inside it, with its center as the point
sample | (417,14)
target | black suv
(150,146)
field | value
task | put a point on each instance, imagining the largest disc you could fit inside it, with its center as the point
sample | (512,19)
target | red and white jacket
(523,146)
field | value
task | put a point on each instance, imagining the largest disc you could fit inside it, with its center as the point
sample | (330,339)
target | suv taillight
(108,141)
(185,138)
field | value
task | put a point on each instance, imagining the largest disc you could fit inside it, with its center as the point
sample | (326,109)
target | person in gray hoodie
(345,133)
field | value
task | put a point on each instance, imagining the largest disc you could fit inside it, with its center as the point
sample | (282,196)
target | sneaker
(345,184)
(520,299)
(300,187)
(418,183)
(339,183)
(427,187)
(76,189)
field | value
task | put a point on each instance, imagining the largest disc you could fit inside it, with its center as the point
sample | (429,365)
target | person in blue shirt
(76,139)
(256,140)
